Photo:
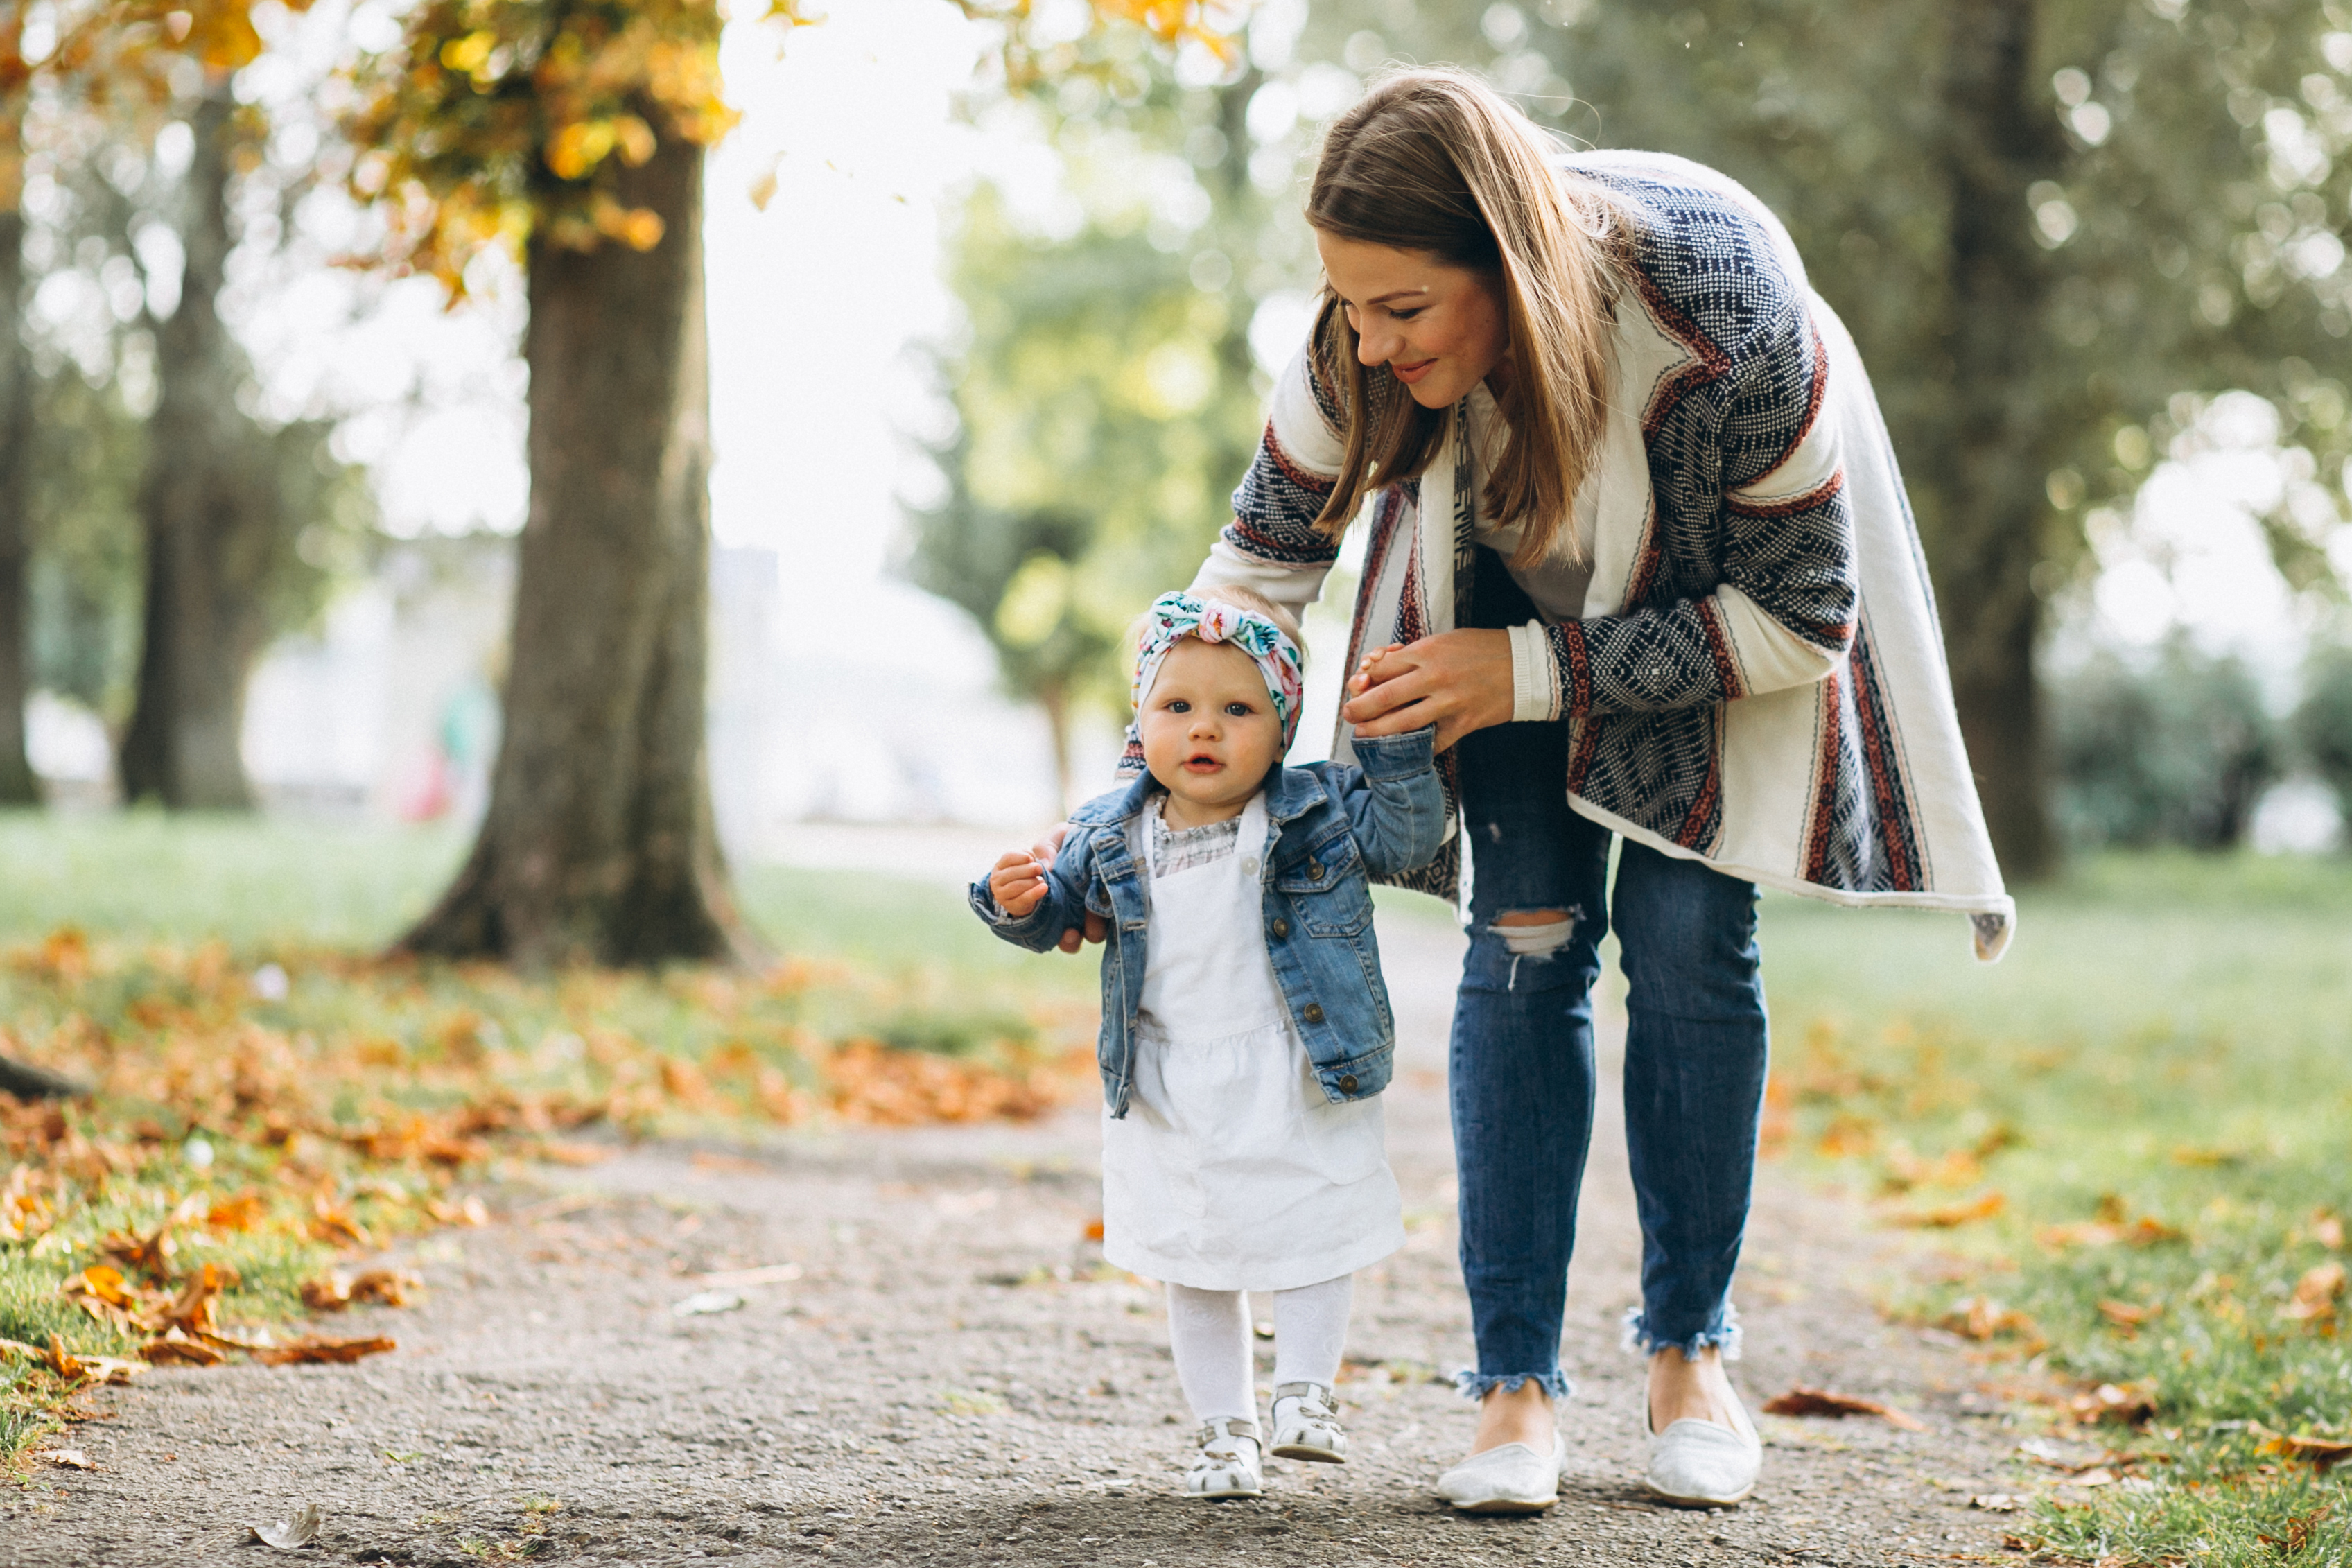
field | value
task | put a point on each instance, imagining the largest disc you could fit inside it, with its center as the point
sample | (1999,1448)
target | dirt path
(948,1381)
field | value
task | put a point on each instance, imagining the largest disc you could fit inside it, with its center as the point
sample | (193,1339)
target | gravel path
(953,1378)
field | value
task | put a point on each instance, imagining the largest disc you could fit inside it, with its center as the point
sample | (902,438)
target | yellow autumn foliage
(496,123)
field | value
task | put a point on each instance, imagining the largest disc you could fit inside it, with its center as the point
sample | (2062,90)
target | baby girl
(1246,1034)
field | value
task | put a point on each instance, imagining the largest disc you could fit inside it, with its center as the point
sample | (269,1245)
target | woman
(1638,547)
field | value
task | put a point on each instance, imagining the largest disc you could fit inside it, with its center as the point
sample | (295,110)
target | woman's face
(1439,329)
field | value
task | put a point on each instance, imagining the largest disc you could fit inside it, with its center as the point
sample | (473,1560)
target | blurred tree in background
(1104,399)
(2322,722)
(2178,752)
(571,133)
(124,150)
(224,501)
(16,411)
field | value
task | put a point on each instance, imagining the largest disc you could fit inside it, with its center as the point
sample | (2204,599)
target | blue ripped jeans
(1523,1077)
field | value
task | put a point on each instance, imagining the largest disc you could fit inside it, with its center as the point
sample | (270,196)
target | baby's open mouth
(1202,762)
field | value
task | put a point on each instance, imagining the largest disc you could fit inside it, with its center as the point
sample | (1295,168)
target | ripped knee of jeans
(1533,934)
(1524,938)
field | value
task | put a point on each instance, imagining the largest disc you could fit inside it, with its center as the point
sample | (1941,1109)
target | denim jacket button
(1347,1083)
(1281,930)
(1313,1013)
(1315,870)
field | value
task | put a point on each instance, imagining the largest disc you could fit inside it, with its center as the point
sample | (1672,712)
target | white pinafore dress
(1230,1170)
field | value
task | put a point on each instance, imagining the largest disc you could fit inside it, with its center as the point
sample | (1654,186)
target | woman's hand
(1458,680)
(1044,852)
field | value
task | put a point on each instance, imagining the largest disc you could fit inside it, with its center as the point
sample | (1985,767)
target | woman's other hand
(1018,883)
(1458,680)
(1044,852)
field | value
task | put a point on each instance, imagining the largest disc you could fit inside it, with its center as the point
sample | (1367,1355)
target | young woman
(1638,548)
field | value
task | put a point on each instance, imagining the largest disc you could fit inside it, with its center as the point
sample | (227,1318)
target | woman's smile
(1410,373)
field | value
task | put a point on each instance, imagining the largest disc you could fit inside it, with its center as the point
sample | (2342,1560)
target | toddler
(1245,1032)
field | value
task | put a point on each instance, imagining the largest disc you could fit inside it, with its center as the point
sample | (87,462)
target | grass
(271,1096)
(2131,1136)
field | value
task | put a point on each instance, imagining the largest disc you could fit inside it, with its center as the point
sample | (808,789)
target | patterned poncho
(1757,680)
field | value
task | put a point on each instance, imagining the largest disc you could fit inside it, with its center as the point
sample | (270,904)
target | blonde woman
(1638,548)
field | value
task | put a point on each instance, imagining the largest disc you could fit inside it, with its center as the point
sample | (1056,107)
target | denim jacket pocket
(1326,891)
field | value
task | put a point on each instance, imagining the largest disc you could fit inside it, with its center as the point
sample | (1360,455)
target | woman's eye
(1408,315)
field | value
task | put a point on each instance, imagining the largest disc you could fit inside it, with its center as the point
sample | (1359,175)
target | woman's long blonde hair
(1436,161)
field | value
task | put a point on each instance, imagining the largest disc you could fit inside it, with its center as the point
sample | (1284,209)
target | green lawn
(263,884)
(2164,1064)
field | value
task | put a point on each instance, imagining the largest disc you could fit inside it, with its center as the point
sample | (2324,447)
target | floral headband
(1175,616)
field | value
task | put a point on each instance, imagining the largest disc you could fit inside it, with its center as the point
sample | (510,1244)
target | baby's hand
(1018,882)
(1365,676)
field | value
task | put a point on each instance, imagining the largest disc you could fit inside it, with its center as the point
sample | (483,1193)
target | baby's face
(1209,731)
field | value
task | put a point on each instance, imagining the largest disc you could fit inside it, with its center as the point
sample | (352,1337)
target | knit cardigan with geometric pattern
(1756,679)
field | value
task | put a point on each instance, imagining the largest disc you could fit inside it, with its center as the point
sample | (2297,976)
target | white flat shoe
(1698,1463)
(1307,1424)
(1228,1464)
(1513,1478)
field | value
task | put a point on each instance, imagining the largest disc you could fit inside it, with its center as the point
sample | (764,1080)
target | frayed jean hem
(1479,1384)
(1725,1336)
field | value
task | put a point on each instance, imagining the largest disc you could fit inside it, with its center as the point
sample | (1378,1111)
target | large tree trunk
(2001,138)
(210,508)
(16,786)
(598,846)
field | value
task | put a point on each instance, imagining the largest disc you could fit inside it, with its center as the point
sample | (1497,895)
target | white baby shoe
(1228,1464)
(1513,1478)
(1307,1424)
(1698,1463)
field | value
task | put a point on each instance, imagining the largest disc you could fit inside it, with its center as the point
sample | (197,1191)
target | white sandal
(1228,1463)
(1307,1424)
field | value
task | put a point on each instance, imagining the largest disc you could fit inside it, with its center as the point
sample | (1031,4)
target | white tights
(1210,1332)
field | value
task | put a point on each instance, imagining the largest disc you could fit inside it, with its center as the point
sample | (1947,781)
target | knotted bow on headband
(1175,616)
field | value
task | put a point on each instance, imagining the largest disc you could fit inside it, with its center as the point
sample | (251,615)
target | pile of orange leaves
(139,1292)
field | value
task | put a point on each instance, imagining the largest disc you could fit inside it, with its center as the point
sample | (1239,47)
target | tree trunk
(210,507)
(598,846)
(28,1082)
(16,788)
(1054,697)
(2001,138)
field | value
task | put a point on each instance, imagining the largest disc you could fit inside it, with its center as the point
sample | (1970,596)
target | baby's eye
(1239,710)
(1178,705)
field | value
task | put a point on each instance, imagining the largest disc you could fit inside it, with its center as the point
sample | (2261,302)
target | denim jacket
(1328,827)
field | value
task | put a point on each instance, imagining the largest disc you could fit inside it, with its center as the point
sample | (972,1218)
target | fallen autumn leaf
(1949,1217)
(2315,1294)
(315,1348)
(1822,1402)
(2323,1454)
